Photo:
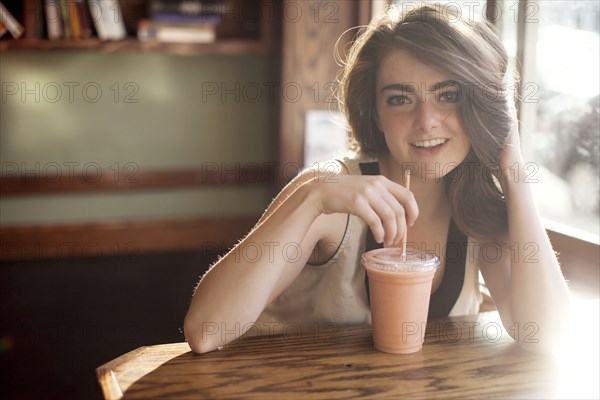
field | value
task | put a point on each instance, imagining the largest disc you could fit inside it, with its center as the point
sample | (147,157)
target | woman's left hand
(512,158)
(511,154)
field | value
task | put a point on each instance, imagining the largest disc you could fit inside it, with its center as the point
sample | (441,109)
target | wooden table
(468,357)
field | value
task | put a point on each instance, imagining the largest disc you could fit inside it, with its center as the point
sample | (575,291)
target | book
(84,19)
(107,18)
(33,16)
(187,7)
(10,22)
(176,33)
(74,19)
(54,24)
(66,19)
(186,19)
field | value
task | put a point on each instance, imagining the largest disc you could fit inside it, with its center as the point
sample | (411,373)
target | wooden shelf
(223,46)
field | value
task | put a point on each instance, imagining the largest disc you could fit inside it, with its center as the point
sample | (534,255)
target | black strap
(370,168)
(443,299)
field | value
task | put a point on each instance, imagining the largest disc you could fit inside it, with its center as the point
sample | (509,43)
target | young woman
(422,91)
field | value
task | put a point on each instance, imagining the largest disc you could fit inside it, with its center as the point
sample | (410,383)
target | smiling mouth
(425,144)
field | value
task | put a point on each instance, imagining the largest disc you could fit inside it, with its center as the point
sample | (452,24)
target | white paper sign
(324,136)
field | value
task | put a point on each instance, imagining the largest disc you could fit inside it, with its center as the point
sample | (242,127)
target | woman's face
(417,110)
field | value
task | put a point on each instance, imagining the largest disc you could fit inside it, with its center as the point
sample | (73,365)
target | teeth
(430,143)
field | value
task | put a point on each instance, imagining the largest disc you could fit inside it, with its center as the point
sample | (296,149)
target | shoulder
(351,162)
(346,164)
(318,172)
(324,171)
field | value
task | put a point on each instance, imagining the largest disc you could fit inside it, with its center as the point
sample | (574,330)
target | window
(557,45)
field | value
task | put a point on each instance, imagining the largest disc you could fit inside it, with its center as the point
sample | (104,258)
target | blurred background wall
(66,311)
(152,112)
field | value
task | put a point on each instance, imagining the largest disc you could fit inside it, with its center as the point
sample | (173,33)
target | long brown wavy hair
(471,53)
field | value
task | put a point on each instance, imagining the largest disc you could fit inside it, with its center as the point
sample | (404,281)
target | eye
(449,96)
(398,100)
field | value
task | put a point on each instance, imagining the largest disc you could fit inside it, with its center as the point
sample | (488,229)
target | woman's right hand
(385,206)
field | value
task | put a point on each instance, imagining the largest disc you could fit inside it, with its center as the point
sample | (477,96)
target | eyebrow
(443,84)
(403,87)
(411,87)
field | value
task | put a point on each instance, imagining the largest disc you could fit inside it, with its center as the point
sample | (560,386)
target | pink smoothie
(400,288)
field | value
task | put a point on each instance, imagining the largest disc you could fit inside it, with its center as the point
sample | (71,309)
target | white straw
(407,186)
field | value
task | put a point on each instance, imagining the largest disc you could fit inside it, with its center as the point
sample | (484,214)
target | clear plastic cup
(399,290)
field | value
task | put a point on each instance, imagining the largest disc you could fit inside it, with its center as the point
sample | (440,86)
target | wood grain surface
(468,357)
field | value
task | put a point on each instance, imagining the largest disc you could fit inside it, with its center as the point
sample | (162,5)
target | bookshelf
(260,42)
(221,46)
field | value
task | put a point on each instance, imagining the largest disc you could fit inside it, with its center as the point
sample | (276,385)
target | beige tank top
(334,294)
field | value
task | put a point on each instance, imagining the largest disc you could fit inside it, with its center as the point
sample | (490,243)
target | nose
(427,118)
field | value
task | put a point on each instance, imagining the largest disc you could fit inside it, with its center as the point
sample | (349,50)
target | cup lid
(392,260)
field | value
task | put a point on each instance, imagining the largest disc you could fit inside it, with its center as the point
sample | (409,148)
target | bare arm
(526,281)
(233,293)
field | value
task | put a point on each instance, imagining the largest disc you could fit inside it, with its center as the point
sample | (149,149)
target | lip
(430,151)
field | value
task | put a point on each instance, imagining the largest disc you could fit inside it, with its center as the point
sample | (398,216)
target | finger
(390,227)
(367,214)
(375,224)
(382,203)
(399,219)
(407,200)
